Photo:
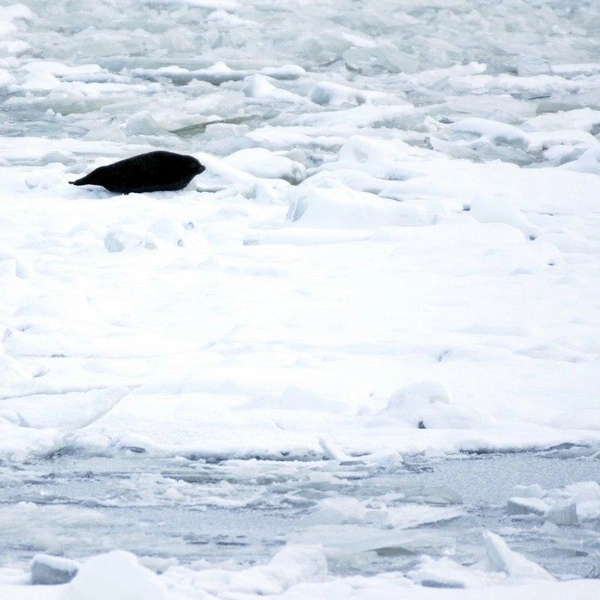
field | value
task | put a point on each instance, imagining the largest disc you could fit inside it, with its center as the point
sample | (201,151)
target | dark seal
(152,172)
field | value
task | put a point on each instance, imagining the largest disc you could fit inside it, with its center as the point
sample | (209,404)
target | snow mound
(11,266)
(170,231)
(582,119)
(142,123)
(291,566)
(500,209)
(495,132)
(327,203)
(119,239)
(475,137)
(566,139)
(588,162)
(65,412)
(220,176)
(383,159)
(260,88)
(260,162)
(429,405)
(446,573)
(117,575)
(11,370)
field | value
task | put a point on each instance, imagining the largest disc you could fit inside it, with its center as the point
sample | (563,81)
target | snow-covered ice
(392,253)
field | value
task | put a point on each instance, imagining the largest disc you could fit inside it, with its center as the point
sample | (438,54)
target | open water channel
(368,518)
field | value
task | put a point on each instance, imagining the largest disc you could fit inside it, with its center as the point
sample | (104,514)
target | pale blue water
(246,511)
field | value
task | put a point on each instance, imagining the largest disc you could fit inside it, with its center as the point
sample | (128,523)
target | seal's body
(152,172)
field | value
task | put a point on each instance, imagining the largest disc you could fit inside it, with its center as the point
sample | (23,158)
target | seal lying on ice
(152,172)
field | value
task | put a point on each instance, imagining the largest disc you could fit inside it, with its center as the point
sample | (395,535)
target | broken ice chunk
(52,570)
(502,558)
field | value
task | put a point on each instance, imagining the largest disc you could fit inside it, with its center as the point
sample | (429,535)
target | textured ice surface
(392,252)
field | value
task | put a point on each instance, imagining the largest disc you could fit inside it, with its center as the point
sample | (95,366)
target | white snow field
(392,259)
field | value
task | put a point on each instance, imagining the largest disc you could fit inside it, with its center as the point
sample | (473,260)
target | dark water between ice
(247,510)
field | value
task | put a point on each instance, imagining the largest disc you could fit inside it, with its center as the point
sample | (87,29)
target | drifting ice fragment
(502,558)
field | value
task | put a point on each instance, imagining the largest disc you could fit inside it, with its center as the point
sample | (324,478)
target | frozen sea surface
(285,378)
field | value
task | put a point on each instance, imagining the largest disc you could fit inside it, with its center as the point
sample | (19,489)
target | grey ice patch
(526,506)
(112,242)
(563,514)
(52,570)
(440,583)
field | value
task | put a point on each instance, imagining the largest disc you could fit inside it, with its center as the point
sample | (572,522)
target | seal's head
(193,166)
